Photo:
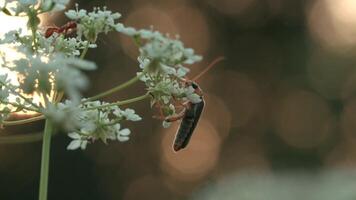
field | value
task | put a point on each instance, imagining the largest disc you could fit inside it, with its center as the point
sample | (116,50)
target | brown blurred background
(283,100)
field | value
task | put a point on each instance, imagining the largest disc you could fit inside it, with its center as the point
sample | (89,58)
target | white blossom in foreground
(59,5)
(5,110)
(91,121)
(42,74)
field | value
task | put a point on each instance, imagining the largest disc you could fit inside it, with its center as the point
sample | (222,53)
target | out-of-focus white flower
(125,30)
(129,114)
(54,5)
(28,2)
(4,91)
(60,4)
(10,37)
(4,95)
(39,74)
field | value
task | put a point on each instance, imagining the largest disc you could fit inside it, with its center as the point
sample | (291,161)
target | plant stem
(120,103)
(115,89)
(46,144)
(35,45)
(23,121)
(85,51)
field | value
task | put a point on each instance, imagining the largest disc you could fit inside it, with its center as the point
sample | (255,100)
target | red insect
(65,29)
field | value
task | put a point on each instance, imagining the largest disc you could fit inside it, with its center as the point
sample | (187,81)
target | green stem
(46,144)
(23,121)
(120,103)
(85,51)
(35,45)
(116,89)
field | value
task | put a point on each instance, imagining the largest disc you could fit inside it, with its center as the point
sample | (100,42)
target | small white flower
(74,144)
(130,115)
(166,124)
(76,14)
(60,5)
(28,2)
(126,30)
(182,71)
(143,62)
(77,142)
(10,37)
(91,24)
(123,134)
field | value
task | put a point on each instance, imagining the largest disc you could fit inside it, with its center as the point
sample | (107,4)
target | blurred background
(280,114)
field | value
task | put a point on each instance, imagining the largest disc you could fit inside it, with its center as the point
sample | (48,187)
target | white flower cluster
(5,109)
(10,101)
(56,43)
(160,48)
(16,39)
(43,74)
(54,5)
(67,46)
(162,60)
(90,25)
(92,121)
(27,6)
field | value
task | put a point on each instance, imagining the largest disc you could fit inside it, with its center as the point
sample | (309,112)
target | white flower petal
(73,145)
(166,124)
(123,138)
(74,135)
(125,132)
(83,145)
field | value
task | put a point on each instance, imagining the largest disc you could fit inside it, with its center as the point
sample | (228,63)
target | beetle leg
(175,117)
(179,116)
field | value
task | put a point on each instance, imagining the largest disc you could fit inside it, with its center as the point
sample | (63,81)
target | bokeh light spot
(198,159)
(333,23)
(303,119)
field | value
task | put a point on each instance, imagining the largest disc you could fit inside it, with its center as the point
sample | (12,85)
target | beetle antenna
(211,65)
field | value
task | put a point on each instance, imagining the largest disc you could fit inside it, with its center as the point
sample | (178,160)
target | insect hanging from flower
(67,28)
(191,113)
